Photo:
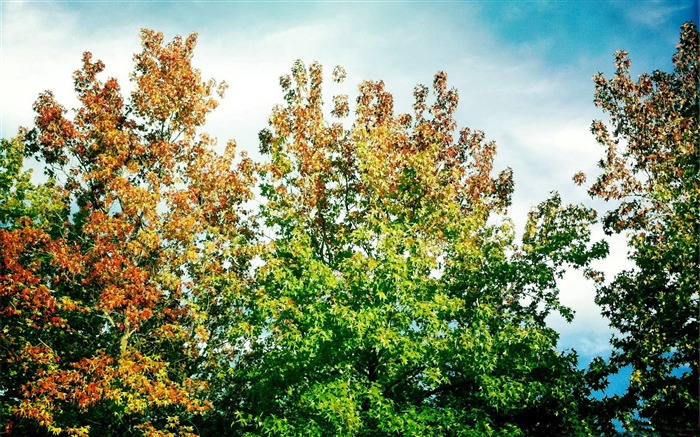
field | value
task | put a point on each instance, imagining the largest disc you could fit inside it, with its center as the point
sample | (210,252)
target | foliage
(106,316)
(378,289)
(19,197)
(22,204)
(651,170)
(392,299)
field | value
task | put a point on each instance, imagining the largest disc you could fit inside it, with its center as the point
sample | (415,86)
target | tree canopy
(364,278)
(651,170)
(107,315)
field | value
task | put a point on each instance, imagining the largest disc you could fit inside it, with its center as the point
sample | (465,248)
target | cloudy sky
(523,70)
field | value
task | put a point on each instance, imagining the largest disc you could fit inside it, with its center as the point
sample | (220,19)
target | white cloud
(655,15)
(252,69)
(32,45)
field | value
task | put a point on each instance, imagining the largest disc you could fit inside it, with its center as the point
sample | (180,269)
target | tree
(651,170)
(392,298)
(108,314)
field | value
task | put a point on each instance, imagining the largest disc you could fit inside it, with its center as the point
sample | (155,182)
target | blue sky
(523,70)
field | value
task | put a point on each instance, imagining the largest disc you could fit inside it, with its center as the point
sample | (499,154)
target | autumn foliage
(364,278)
(652,169)
(104,312)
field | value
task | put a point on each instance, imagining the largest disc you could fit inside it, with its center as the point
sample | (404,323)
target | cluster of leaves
(106,289)
(652,170)
(378,289)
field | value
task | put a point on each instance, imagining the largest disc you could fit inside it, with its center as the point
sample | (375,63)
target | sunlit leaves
(170,93)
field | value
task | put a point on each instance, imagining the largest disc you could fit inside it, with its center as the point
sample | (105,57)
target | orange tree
(392,297)
(113,281)
(650,170)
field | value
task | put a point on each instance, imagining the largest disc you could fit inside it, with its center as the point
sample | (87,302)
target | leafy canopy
(377,289)
(651,170)
(392,298)
(106,286)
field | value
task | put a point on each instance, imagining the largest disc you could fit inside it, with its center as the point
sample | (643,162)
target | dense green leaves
(19,197)
(392,298)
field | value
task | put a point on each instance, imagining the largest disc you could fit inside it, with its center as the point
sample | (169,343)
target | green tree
(650,170)
(19,197)
(391,297)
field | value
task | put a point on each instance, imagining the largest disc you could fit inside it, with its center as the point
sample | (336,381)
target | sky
(523,70)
